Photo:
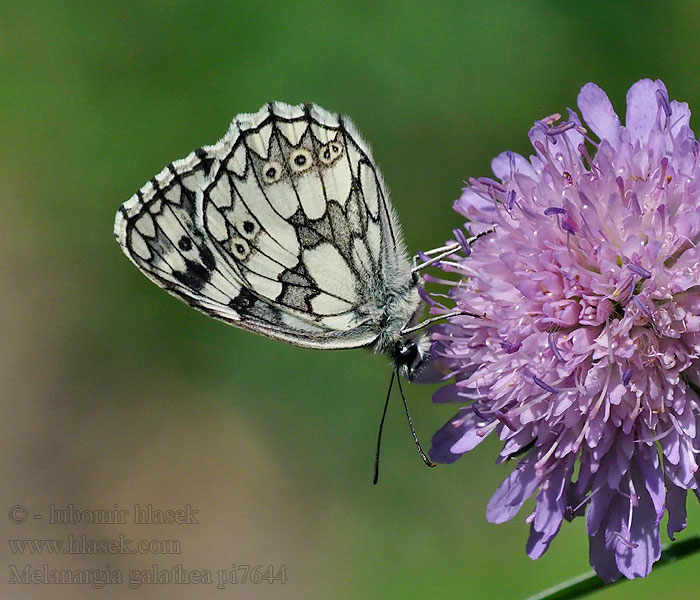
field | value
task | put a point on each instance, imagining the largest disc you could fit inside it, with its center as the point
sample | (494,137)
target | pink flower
(586,362)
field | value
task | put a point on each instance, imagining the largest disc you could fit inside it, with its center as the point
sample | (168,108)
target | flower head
(586,362)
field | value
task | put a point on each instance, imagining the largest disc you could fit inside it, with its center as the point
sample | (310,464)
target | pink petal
(512,493)
(680,117)
(642,109)
(598,114)
(507,163)
(637,559)
(459,435)
(475,206)
(675,503)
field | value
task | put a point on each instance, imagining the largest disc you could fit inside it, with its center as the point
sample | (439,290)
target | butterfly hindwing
(157,228)
(283,227)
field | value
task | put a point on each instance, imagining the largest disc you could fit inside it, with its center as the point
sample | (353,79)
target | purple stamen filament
(553,346)
(568,225)
(627,375)
(510,347)
(554,210)
(663,102)
(479,414)
(625,542)
(640,305)
(462,241)
(544,386)
(511,199)
(559,129)
(426,297)
(501,416)
(637,270)
(490,183)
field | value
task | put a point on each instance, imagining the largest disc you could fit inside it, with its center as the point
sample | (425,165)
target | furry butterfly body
(284,227)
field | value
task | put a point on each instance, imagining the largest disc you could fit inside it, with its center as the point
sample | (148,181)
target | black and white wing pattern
(284,227)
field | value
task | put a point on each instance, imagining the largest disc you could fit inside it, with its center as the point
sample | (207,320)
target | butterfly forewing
(283,227)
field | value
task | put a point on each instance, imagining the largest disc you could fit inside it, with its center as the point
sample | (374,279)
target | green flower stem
(590,582)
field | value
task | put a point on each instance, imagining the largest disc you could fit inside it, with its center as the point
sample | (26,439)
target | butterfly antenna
(381,428)
(423,455)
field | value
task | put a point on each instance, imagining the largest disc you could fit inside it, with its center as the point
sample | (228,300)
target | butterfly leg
(432,320)
(437,254)
(430,257)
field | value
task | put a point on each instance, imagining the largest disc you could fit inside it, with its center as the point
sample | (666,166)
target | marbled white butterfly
(284,227)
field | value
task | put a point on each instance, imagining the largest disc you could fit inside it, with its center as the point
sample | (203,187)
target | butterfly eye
(271,171)
(328,153)
(300,160)
(240,248)
(248,228)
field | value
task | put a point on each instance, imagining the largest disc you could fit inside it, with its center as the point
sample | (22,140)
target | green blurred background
(112,392)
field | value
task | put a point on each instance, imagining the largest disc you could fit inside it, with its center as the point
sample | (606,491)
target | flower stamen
(662,98)
(638,270)
(555,130)
(545,386)
(620,538)
(511,200)
(554,210)
(462,241)
(510,347)
(553,346)
(627,375)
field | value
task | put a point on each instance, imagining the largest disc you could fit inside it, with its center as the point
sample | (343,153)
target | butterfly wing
(283,227)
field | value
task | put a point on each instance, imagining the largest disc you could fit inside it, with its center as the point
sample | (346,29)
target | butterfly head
(411,355)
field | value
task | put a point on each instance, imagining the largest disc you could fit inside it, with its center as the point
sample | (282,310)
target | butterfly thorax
(399,309)
(403,307)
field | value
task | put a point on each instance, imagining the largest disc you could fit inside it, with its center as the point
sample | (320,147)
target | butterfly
(284,227)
